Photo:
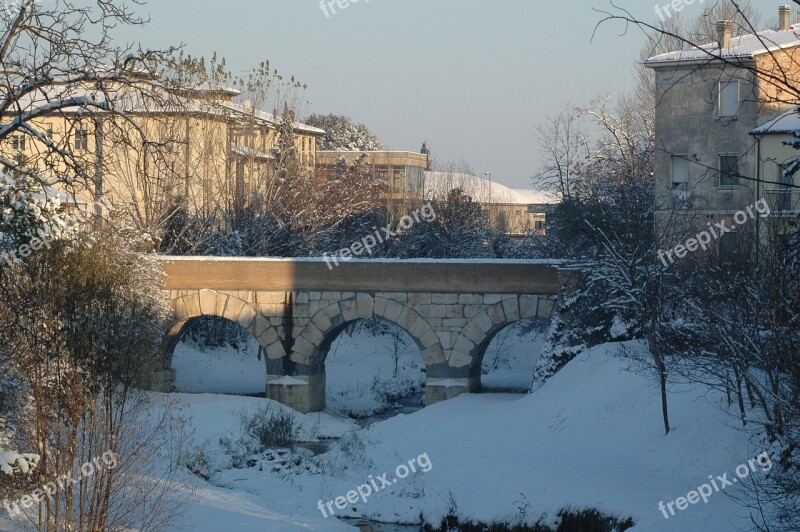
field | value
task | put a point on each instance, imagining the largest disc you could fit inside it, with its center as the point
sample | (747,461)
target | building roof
(269,117)
(483,190)
(785,123)
(376,158)
(745,47)
(149,99)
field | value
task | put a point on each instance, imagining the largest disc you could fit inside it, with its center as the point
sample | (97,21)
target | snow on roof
(744,47)
(535,196)
(787,122)
(482,190)
(141,100)
(269,117)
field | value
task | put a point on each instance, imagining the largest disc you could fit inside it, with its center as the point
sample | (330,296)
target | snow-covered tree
(344,135)
(460,230)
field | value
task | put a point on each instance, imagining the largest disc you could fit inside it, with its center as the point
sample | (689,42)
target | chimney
(725,34)
(784,18)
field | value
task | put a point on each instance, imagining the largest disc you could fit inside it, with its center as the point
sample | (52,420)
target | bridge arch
(312,344)
(470,346)
(191,305)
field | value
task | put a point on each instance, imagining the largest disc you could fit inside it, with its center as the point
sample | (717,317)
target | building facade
(197,147)
(708,101)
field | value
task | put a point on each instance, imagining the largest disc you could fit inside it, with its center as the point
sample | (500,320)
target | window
(680,172)
(729,170)
(382,175)
(50,131)
(81,139)
(399,179)
(729,98)
(18,142)
(728,248)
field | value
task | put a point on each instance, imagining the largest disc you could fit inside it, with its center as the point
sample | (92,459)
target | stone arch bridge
(296,308)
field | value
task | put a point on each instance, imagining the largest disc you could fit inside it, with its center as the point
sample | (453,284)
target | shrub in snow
(262,430)
(27,210)
(563,345)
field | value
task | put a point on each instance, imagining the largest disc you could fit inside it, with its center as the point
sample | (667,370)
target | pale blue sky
(473,78)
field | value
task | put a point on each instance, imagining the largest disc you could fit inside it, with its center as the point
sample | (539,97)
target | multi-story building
(195,146)
(708,101)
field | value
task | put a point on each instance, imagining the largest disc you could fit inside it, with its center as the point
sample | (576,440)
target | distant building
(401,171)
(409,181)
(780,191)
(518,213)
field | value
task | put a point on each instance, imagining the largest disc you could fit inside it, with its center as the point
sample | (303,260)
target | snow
(535,196)
(744,47)
(482,190)
(290,381)
(786,123)
(222,370)
(512,356)
(592,436)
(11,463)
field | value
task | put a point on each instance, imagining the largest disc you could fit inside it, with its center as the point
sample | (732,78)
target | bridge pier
(445,382)
(162,380)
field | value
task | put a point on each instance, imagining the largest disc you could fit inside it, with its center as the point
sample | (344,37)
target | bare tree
(562,141)
(58,58)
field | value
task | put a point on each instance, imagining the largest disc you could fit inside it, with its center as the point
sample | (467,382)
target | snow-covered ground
(222,370)
(590,437)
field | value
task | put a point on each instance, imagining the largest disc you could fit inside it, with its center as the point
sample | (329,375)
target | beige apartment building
(202,149)
(707,162)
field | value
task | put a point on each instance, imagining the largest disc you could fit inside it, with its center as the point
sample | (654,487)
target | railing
(784,200)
